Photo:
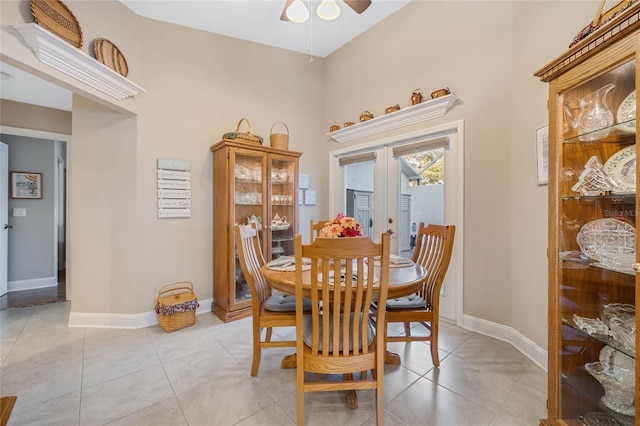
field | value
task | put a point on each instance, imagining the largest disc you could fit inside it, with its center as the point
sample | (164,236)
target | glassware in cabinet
(283,205)
(248,189)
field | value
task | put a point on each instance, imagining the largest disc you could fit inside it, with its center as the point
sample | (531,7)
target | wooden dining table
(404,280)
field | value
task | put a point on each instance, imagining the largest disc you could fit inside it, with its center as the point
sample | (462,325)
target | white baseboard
(132,321)
(507,334)
(32,284)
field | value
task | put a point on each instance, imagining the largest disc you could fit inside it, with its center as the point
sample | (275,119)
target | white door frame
(40,134)
(454,190)
(4,216)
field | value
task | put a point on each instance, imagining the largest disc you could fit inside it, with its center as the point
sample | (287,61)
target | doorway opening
(44,278)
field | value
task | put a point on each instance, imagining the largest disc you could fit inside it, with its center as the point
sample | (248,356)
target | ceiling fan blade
(284,17)
(358,6)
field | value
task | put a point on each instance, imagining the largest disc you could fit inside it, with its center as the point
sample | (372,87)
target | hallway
(38,296)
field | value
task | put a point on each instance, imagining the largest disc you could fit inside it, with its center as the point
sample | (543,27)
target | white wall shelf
(57,53)
(427,110)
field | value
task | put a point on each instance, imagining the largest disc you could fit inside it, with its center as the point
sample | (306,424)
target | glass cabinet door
(248,207)
(283,206)
(596,243)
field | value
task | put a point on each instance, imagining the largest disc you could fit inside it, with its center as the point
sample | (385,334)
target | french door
(382,185)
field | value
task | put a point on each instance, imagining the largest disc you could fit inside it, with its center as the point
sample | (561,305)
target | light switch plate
(19,212)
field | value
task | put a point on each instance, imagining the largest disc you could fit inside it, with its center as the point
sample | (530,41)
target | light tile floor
(200,376)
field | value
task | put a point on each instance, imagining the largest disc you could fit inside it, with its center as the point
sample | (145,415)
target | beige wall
(26,116)
(475,62)
(543,30)
(199,85)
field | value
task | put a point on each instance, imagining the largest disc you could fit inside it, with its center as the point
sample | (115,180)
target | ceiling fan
(358,6)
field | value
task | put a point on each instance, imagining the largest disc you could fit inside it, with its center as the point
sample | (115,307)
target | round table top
(403,281)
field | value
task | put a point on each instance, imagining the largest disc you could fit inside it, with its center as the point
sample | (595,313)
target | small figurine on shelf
(593,180)
(365,115)
(440,92)
(392,108)
(416,97)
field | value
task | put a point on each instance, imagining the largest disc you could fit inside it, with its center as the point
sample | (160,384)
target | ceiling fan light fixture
(297,12)
(328,10)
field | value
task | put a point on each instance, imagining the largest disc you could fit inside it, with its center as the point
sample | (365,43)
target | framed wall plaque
(26,185)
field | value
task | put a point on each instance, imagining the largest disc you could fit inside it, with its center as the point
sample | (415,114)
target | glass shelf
(607,340)
(613,197)
(617,133)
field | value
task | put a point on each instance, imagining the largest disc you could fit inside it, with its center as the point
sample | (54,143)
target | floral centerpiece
(341,226)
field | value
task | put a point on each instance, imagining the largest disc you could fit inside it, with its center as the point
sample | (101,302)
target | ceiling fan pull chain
(310,47)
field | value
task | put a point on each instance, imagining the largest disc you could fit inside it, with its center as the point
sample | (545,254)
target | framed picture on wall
(542,151)
(26,185)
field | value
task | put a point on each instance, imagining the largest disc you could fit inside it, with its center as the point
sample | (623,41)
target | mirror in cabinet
(595,238)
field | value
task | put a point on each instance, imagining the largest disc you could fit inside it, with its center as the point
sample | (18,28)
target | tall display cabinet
(593,205)
(251,183)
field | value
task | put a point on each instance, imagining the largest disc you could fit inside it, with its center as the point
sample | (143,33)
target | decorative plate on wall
(109,54)
(54,16)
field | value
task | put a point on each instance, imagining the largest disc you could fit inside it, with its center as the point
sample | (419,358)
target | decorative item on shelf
(416,97)
(611,242)
(626,114)
(593,180)
(591,325)
(621,318)
(621,170)
(55,17)
(279,223)
(348,124)
(602,19)
(618,384)
(616,373)
(624,331)
(334,128)
(108,54)
(246,137)
(255,219)
(279,140)
(598,418)
(365,115)
(594,118)
(176,306)
(392,108)
(617,310)
(341,226)
(440,92)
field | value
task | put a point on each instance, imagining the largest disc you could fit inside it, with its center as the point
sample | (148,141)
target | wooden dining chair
(434,245)
(315,228)
(269,310)
(337,337)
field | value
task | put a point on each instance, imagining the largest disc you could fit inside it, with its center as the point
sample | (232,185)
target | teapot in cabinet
(255,219)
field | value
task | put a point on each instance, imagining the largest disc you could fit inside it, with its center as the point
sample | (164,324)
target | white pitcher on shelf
(255,219)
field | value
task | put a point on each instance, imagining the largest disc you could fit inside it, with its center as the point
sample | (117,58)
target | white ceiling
(252,20)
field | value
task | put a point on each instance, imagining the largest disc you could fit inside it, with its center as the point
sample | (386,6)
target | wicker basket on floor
(176,306)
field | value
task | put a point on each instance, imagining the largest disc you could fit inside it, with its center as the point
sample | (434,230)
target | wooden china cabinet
(593,204)
(251,183)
